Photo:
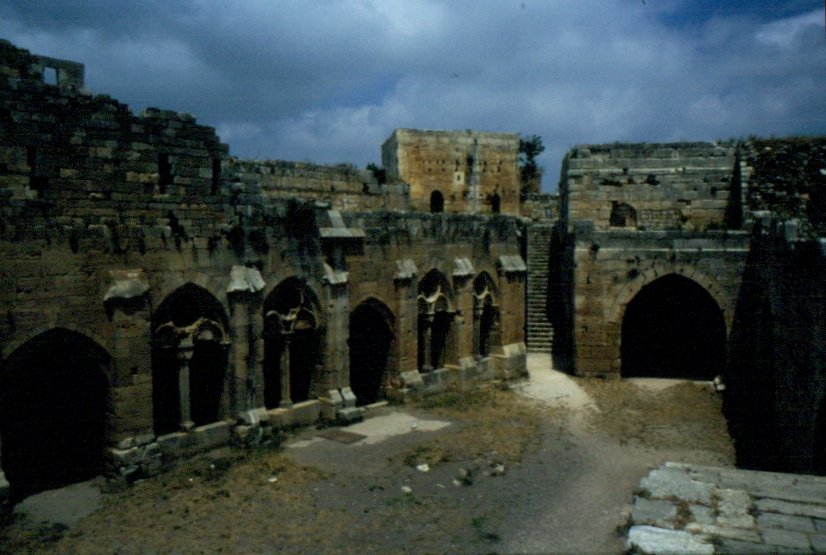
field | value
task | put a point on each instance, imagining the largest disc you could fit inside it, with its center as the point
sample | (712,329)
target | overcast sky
(328,81)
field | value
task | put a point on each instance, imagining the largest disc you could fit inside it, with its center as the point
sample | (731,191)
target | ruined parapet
(787,176)
(341,186)
(17,63)
(677,186)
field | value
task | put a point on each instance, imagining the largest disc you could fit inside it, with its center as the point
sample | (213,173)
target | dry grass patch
(685,415)
(496,426)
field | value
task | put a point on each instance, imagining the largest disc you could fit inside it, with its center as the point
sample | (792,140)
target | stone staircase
(539,332)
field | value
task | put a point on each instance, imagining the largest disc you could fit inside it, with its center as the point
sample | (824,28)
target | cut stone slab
(64,506)
(341,436)
(381,428)
(648,539)
(671,483)
(656,512)
(786,538)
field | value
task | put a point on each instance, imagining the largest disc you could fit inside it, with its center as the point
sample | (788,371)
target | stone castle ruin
(160,298)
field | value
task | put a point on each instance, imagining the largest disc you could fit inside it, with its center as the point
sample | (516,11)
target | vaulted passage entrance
(371,338)
(53,404)
(673,329)
(189,359)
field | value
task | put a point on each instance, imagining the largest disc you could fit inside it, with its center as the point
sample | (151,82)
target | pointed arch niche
(436,312)
(486,336)
(190,347)
(293,344)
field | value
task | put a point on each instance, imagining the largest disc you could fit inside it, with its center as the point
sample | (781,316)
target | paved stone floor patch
(723,517)
(341,436)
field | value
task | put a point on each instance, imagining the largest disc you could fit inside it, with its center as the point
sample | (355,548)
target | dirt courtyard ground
(545,465)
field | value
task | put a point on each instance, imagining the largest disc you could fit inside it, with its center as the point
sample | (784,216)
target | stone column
(239,352)
(478,310)
(427,343)
(184,354)
(286,401)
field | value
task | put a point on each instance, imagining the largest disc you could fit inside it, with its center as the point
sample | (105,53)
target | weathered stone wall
(776,383)
(468,168)
(343,187)
(788,177)
(539,206)
(682,186)
(107,217)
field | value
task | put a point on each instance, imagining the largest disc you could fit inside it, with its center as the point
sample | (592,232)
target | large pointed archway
(54,398)
(371,340)
(190,352)
(673,328)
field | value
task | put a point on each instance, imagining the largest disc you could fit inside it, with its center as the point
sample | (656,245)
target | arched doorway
(293,344)
(673,329)
(435,320)
(485,315)
(371,338)
(190,347)
(54,397)
(437,202)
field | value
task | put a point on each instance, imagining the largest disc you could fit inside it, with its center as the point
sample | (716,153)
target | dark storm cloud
(329,80)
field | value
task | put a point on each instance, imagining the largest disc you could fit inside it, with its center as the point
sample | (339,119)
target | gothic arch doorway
(293,344)
(54,397)
(189,359)
(673,328)
(371,340)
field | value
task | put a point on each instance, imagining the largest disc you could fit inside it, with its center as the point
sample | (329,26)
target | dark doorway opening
(488,321)
(371,338)
(437,202)
(673,329)
(188,313)
(54,397)
(495,204)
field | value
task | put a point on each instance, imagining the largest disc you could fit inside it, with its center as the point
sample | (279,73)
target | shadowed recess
(673,329)
(53,405)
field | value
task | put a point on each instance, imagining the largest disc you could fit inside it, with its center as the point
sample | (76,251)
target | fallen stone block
(647,539)
(350,415)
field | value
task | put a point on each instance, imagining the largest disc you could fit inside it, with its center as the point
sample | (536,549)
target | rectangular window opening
(216,176)
(50,75)
(37,182)
(164,173)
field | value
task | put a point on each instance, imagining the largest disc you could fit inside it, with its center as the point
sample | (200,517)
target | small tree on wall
(530,173)
(378,172)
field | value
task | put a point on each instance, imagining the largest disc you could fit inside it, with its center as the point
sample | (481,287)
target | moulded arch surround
(312,299)
(172,283)
(11,346)
(647,276)
(192,288)
(435,286)
(486,279)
